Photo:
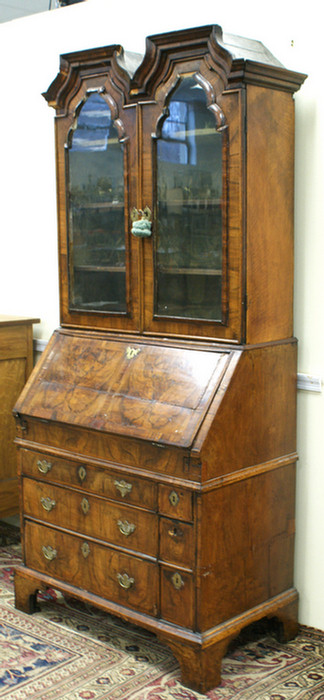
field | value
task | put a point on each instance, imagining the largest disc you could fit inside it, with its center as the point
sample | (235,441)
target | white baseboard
(39,344)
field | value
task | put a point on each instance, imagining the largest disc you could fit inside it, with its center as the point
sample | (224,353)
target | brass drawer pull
(82,473)
(48,503)
(125,581)
(43,466)
(85,549)
(177,581)
(125,527)
(49,553)
(175,532)
(174,498)
(85,506)
(123,487)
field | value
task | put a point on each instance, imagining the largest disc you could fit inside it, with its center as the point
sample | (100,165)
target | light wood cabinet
(16,363)
(156,436)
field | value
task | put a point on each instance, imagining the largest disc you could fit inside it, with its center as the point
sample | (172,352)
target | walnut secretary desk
(156,435)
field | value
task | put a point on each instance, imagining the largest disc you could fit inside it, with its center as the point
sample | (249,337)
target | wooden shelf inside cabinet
(99,205)
(99,268)
(193,203)
(188,271)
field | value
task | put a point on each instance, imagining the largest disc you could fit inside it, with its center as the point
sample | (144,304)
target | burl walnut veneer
(156,436)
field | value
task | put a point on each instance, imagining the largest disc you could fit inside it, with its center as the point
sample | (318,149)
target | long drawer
(130,527)
(102,481)
(113,575)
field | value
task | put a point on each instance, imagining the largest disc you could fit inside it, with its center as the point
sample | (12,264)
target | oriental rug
(70,651)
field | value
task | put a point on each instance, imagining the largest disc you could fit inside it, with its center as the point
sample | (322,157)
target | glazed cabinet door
(192,173)
(96,174)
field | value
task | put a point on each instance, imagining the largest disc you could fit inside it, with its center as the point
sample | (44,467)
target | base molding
(201,661)
(199,654)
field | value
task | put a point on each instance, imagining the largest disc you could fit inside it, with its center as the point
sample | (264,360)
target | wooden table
(16,363)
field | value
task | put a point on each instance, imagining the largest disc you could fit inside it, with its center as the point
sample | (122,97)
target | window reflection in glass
(189,205)
(96,211)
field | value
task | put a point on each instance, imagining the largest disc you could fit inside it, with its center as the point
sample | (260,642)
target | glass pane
(96,212)
(189,192)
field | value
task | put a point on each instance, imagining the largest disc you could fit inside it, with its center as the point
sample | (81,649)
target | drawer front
(177,542)
(177,597)
(116,485)
(132,528)
(118,577)
(175,502)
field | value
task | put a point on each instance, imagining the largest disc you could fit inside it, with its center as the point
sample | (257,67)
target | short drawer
(177,597)
(175,502)
(104,482)
(118,577)
(126,526)
(177,542)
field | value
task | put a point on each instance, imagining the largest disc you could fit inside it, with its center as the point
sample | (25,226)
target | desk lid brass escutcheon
(132,352)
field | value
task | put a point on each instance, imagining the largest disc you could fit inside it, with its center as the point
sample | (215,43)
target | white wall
(29,60)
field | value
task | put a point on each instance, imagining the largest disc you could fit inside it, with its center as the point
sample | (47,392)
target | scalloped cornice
(201,46)
(72,65)
(163,51)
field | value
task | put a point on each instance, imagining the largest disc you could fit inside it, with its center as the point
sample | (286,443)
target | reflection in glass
(189,206)
(96,211)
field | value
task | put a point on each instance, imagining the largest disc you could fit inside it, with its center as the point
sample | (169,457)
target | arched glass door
(96,218)
(190,230)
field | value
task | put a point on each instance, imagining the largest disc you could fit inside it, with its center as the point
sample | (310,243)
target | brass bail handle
(141,222)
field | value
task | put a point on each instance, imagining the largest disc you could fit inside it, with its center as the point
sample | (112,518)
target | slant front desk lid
(150,391)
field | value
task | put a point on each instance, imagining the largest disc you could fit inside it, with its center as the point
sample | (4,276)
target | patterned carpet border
(70,651)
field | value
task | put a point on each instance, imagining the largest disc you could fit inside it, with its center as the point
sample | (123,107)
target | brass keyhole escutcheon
(85,506)
(175,532)
(174,498)
(82,473)
(85,549)
(177,581)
